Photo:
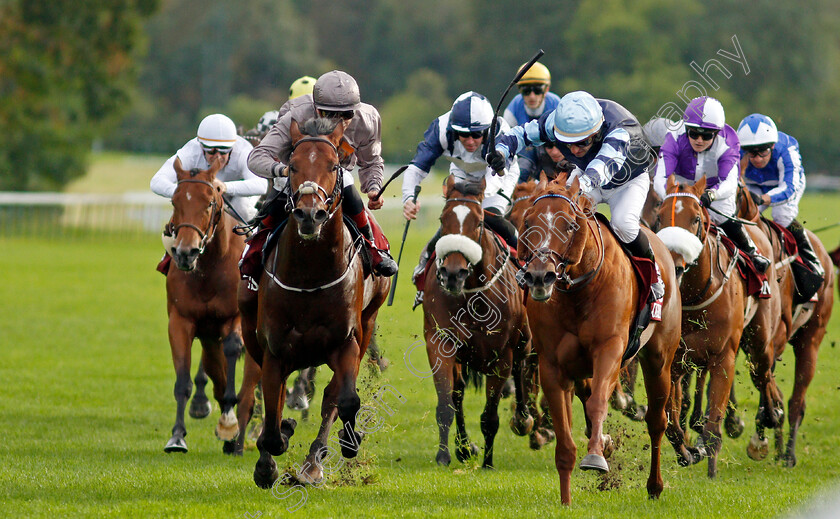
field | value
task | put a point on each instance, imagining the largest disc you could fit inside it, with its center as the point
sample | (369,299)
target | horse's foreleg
(698,414)
(246,401)
(674,431)
(657,372)
(605,366)
(721,373)
(522,421)
(228,428)
(181,334)
(490,416)
(348,401)
(274,439)
(559,395)
(215,363)
(464,448)
(199,405)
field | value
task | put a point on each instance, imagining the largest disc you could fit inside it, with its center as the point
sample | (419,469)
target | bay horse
(314,305)
(201,300)
(718,317)
(474,324)
(802,325)
(583,297)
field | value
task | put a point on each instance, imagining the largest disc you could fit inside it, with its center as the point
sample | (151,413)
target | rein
(331,200)
(207,235)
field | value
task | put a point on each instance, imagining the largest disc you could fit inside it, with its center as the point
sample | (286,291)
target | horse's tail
(472,377)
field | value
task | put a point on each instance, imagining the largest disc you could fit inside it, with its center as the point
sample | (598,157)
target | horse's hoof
(349,448)
(265,478)
(734,426)
(757,449)
(287,427)
(443,458)
(521,427)
(537,440)
(313,475)
(465,452)
(639,416)
(230,448)
(594,462)
(790,460)
(199,410)
(508,388)
(175,444)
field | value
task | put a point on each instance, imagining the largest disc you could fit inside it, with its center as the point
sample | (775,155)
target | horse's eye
(696,219)
(335,167)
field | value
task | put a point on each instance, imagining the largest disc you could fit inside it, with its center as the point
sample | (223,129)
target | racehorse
(201,300)
(474,324)
(719,316)
(583,299)
(802,325)
(315,260)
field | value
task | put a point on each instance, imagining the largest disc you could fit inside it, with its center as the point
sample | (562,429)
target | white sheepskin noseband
(458,243)
(682,242)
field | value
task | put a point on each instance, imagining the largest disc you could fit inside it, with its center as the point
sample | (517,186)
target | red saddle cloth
(163,266)
(756,282)
(787,239)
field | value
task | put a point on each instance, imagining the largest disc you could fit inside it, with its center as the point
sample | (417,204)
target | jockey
(335,95)
(301,86)
(606,143)
(774,175)
(460,136)
(704,145)
(533,100)
(216,136)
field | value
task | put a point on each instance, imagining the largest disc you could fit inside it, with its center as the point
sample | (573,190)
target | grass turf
(87,407)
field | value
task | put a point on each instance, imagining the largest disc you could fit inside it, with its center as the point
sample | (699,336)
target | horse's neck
(219,245)
(489,264)
(592,249)
(700,277)
(313,259)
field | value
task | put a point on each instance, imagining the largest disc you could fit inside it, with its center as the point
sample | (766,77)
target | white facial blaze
(678,207)
(312,156)
(189,197)
(461,213)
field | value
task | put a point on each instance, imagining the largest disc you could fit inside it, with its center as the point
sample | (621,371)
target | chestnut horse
(719,316)
(201,300)
(475,324)
(802,325)
(622,398)
(581,329)
(315,305)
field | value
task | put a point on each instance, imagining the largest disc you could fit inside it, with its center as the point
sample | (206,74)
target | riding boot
(806,250)
(501,226)
(640,248)
(742,239)
(421,268)
(383,263)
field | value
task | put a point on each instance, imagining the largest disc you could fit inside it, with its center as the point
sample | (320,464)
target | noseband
(702,233)
(309,187)
(440,259)
(215,216)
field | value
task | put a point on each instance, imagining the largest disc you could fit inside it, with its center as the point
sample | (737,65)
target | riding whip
(399,256)
(826,227)
(733,218)
(395,175)
(516,78)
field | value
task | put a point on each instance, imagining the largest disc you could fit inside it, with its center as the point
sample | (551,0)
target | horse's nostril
(320,215)
(550,278)
(299,214)
(463,273)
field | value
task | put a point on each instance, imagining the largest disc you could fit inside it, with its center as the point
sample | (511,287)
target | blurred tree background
(139,75)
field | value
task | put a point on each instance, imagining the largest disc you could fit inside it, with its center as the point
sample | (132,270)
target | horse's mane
(316,126)
(467,188)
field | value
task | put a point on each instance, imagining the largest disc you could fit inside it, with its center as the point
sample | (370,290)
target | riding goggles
(467,135)
(701,133)
(532,89)
(757,151)
(584,143)
(346,114)
(210,150)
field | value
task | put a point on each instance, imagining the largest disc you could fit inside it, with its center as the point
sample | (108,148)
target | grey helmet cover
(336,91)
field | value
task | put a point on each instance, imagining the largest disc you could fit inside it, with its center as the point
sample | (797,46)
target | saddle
(806,282)
(756,282)
(645,271)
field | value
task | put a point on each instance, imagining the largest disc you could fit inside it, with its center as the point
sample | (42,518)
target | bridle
(308,187)
(702,232)
(215,217)
(440,259)
(561,259)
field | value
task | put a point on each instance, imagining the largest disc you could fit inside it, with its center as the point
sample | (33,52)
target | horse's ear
(671,182)
(294,132)
(575,187)
(179,169)
(215,165)
(700,185)
(543,182)
(482,186)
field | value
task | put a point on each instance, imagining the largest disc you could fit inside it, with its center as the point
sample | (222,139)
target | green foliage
(66,72)
(406,115)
